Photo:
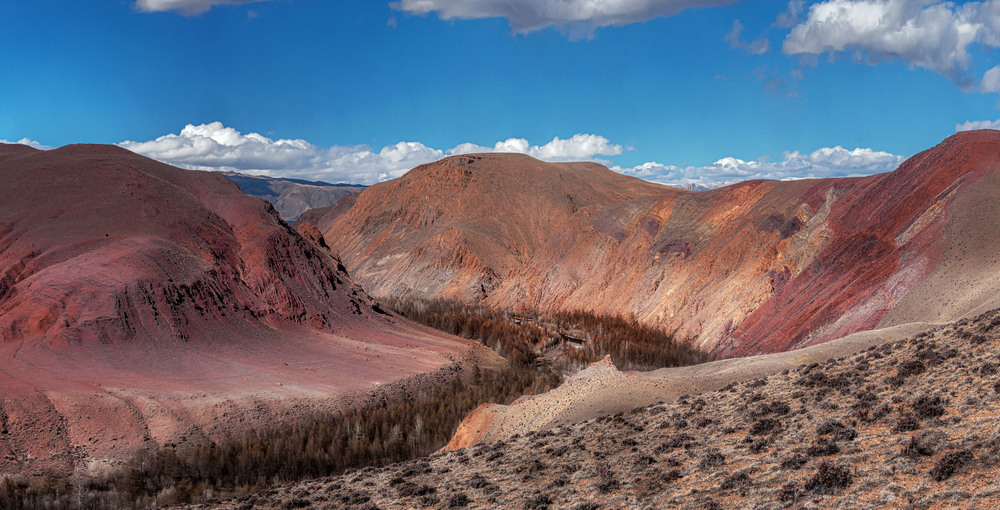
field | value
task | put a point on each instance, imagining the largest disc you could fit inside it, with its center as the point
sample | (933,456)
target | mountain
(756,267)
(141,304)
(292,197)
(904,424)
(457,227)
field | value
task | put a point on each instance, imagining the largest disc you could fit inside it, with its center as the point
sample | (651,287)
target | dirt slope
(141,303)
(457,227)
(757,267)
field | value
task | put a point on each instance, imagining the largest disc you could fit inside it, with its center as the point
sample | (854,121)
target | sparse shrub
(777,408)
(829,478)
(606,479)
(765,426)
(296,503)
(738,482)
(949,464)
(794,461)
(924,443)
(906,423)
(789,492)
(711,460)
(822,448)
(458,500)
(478,482)
(837,429)
(673,475)
(409,490)
(760,444)
(538,502)
(926,406)
(587,506)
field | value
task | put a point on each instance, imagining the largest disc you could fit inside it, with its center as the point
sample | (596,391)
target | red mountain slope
(456,227)
(761,266)
(140,303)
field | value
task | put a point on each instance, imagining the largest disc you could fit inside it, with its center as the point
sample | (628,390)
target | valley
(170,340)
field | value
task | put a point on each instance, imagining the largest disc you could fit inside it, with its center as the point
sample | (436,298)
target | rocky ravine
(141,304)
(756,267)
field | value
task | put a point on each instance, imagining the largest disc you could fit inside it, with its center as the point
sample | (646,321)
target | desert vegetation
(567,340)
(825,435)
(387,428)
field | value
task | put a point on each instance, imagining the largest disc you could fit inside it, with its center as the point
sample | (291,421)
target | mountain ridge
(755,267)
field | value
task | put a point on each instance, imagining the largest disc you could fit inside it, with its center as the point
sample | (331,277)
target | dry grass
(909,424)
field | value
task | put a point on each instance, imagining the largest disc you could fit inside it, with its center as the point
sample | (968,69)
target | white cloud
(825,162)
(791,16)
(579,147)
(991,80)
(581,17)
(977,124)
(735,40)
(217,147)
(921,33)
(29,143)
(186,7)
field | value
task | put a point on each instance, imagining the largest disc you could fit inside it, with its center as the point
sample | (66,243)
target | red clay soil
(757,267)
(141,304)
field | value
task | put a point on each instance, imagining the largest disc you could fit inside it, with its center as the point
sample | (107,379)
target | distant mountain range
(292,197)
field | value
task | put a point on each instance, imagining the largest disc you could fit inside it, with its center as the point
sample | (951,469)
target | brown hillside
(140,303)
(457,227)
(760,266)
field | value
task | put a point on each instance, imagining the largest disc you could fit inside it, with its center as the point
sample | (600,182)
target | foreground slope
(756,267)
(141,304)
(909,423)
(457,227)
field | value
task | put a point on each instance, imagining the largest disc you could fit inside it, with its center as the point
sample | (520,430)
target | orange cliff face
(760,266)
(140,303)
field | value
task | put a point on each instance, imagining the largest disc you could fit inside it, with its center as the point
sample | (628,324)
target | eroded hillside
(756,267)
(142,304)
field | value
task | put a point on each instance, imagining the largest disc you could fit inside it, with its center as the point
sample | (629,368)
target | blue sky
(670,90)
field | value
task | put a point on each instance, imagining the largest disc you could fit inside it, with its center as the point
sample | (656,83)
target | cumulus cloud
(185,7)
(579,147)
(921,33)
(977,124)
(29,143)
(825,162)
(581,17)
(217,147)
